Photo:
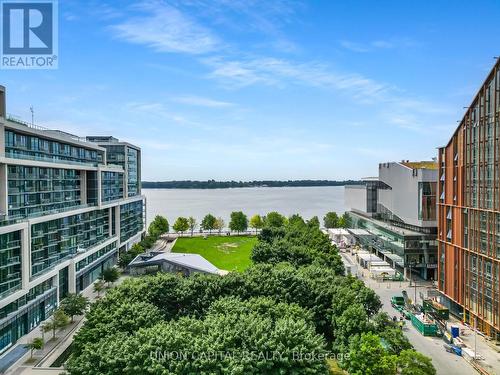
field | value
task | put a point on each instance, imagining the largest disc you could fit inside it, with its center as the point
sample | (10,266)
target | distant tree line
(212,184)
(239,222)
(294,299)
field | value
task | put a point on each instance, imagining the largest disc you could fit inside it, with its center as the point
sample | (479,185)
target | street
(444,362)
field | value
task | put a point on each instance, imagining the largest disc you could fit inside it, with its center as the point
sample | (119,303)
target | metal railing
(17,120)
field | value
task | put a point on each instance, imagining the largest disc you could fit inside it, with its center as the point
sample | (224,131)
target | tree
(313,222)
(35,344)
(410,362)
(256,222)
(228,321)
(331,220)
(274,220)
(115,315)
(158,226)
(57,321)
(181,225)
(74,304)
(367,356)
(208,223)
(239,221)
(110,275)
(192,224)
(296,219)
(345,221)
(98,287)
(219,224)
(127,256)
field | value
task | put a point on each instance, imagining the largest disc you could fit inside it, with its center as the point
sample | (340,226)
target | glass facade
(10,263)
(33,191)
(133,172)
(111,186)
(92,258)
(416,249)
(469,211)
(126,157)
(427,201)
(131,219)
(52,241)
(91,268)
(21,316)
(31,147)
(115,154)
(43,201)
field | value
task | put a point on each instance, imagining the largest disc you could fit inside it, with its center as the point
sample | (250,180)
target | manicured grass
(231,253)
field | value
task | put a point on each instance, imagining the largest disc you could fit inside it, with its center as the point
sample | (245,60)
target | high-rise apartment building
(394,216)
(66,209)
(469,212)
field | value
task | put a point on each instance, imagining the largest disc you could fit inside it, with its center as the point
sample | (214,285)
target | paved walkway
(165,244)
(52,348)
(444,362)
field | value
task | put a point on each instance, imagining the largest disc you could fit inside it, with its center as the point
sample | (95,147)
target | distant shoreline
(211,184)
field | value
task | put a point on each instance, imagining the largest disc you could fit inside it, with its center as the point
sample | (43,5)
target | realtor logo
(29,34)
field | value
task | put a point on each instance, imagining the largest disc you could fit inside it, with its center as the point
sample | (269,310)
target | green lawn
(231,253)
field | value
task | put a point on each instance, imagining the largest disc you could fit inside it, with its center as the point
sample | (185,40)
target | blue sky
(264,89)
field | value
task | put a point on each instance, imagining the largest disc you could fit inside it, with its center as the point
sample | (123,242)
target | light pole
(32,115)
(475,338)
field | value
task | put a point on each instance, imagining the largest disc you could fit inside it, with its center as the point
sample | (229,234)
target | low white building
(183,263)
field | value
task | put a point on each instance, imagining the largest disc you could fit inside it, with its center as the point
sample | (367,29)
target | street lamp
(412,264)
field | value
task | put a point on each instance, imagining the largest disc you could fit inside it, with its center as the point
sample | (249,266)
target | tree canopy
(331,220)
(274,220)
(74,304)
(294,299)
(181,224)
(208,222)
(256,222)
(239,221)
(158,226)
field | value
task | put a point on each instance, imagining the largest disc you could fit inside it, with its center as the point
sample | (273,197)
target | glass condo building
(469,212)
(68,205)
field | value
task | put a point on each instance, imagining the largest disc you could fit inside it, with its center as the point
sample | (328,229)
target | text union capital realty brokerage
(164,356)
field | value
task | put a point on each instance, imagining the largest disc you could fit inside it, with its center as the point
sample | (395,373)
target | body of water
(306,201)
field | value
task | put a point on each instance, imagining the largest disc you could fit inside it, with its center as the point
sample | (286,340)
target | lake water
(306,201)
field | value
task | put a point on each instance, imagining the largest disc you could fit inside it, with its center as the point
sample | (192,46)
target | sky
(263,89)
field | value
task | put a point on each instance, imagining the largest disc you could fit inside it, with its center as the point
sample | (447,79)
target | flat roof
(194,261)
(359,232)
(433,165)
(369,257)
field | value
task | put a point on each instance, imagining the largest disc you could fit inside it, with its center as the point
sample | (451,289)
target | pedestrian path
(12,357)
(52,349)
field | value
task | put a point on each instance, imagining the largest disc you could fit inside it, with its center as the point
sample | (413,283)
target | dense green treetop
(239,221)
(181,224)
(209,222)
(295,297)
(274,220)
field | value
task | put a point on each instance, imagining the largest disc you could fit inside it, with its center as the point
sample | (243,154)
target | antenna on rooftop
(32,116)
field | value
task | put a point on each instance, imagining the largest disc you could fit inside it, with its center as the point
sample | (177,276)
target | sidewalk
(45,357)
(445,363)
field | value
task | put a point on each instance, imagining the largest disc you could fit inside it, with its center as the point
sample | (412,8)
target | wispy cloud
(273,71)
(201,101)
(161,111)
(374,45)
(165,29)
